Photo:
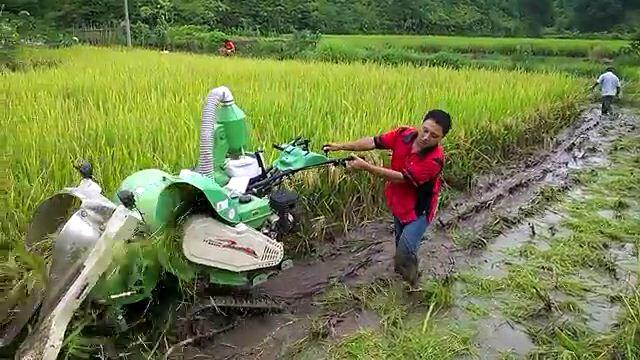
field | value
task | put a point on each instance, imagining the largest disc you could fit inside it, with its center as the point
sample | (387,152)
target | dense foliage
(498,17)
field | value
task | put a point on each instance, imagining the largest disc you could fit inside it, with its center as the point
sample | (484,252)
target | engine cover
(238,248)
(244,166)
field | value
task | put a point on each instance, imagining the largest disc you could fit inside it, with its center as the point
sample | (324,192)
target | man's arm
(598,81)
(387,174)
(415,174)
(382,141)
(363,144)
(411,175)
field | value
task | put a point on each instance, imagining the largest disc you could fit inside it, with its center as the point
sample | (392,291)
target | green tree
(536,14)
(599,15)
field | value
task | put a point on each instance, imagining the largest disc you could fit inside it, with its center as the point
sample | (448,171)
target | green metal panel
(132,274)
(253,213)
(147,185)
(293,158)
(214,193)
(162,197)
(224,277)
(233,120)
(220,150)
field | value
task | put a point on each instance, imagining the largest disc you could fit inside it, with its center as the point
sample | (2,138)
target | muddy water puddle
(496,333)
(601,313)
(494,259)
(589,295)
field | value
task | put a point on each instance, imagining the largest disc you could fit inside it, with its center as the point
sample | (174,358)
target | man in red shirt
(412,182)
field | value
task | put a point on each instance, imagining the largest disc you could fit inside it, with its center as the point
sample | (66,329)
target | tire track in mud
(495,204)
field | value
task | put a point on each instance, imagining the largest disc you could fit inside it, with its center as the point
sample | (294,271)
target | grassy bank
(482,45)
(341,53)
(580,57)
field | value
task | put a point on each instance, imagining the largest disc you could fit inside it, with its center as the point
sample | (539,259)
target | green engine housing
(162,198)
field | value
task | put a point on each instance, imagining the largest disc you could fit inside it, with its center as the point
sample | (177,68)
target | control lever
(84,168)
(127,198)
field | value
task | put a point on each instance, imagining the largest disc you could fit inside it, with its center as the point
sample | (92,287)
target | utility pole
(126,22)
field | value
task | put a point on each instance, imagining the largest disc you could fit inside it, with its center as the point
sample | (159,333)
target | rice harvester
(230,208)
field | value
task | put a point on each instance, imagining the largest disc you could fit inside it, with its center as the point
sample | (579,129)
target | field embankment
(574,56)
(479,45)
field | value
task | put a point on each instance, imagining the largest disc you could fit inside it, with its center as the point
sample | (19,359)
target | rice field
(486,45)
(126,110)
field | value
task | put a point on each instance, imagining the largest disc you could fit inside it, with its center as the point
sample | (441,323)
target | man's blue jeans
(409,236)
(408,239)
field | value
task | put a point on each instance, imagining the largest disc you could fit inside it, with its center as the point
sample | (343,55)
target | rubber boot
(407,267)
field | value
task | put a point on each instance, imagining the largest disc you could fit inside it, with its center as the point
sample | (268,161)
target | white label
(221,205)
(231,213)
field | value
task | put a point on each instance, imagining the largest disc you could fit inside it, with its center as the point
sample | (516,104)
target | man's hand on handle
(363,144)
(357,163)
(332,147)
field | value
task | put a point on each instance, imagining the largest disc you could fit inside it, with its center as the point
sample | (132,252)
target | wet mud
(471,232)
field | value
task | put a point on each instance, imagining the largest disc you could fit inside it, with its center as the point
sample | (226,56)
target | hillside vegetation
(468,17)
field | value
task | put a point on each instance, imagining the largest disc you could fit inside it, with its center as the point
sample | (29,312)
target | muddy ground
(469,233)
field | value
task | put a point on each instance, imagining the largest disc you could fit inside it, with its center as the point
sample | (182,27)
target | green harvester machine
(231,210)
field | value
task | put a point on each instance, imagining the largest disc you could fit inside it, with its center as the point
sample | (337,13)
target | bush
(141,34)
(303,41)
(445,59)
(598,53)
(9,39)
(194,38)
(302,44)
(633,49)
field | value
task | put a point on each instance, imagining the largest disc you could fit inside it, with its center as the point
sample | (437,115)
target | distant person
(228,49)
(609,87)
(412,184)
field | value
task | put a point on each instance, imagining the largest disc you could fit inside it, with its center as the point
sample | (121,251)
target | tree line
(265,17)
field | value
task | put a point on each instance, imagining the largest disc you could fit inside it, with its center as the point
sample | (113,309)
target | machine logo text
(231,244)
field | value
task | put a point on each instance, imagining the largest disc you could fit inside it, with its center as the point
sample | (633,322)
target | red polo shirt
(418,194)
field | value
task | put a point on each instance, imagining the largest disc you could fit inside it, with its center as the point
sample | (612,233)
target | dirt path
(465,228)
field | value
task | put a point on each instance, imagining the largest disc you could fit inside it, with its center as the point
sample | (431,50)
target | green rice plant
(444,341)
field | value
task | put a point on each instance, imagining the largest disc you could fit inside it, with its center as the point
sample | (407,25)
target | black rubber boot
(407,267)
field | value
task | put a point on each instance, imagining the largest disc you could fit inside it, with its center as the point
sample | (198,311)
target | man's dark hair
(441,118)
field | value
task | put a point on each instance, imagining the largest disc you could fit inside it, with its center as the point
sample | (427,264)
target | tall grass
(505,46)
(129,110)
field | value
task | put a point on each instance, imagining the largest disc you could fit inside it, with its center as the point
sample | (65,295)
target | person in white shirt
(609,87)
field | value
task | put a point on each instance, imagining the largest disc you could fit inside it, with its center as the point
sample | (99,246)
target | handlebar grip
(84,168)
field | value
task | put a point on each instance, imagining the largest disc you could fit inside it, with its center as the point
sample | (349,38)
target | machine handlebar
(265,184)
